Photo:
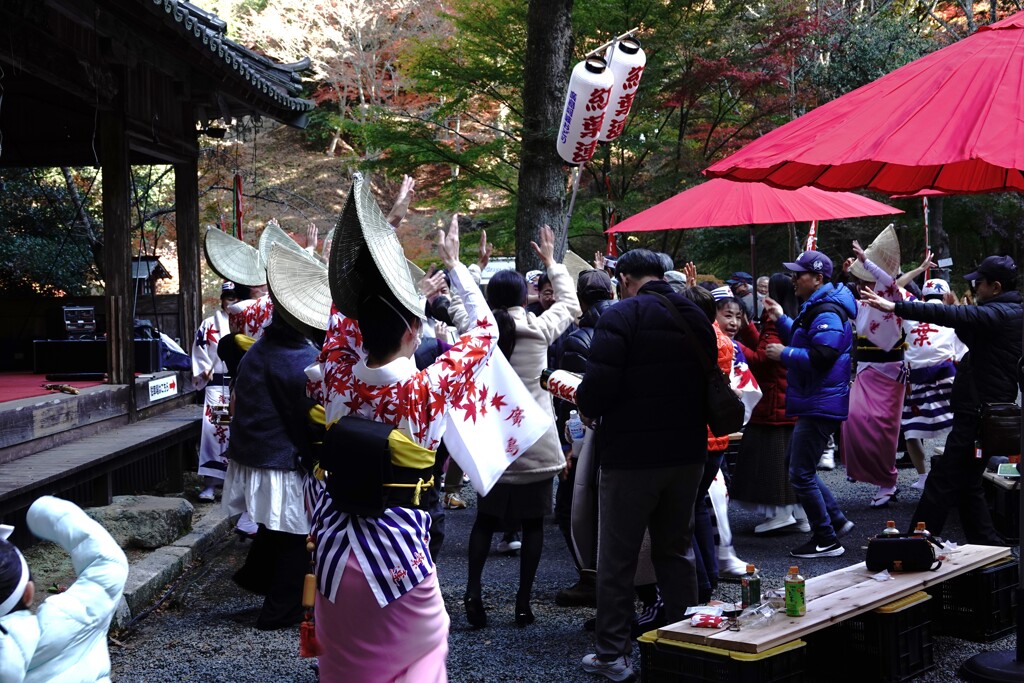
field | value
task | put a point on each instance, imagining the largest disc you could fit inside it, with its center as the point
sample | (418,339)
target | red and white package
(707,621)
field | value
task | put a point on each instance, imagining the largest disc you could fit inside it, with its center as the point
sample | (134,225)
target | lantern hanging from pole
(586,100)
(626,61)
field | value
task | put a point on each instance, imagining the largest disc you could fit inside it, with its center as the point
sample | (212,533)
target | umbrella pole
(753,267)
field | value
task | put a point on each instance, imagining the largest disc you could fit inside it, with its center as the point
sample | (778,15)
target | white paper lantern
(590,88)
(626,61)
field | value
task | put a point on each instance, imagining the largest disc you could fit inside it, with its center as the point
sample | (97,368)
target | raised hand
(401,206)
(546,249)
(448,244)
(599,262)
(868,297)
(312,235)
(858,252)
(772,308)
(690,271)
(485,251)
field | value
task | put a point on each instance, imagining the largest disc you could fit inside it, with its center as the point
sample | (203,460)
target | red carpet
(15,385)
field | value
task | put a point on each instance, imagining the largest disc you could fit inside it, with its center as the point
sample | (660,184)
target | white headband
(19,589)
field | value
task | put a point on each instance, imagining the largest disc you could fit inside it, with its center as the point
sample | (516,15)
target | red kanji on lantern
(624,103)
(584,151)
(599,98)
(592,126)
(632,80)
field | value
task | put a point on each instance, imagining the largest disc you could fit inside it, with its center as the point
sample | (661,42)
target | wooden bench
(92,460)
(833,597)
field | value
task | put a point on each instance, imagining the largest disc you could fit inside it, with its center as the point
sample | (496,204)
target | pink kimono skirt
(872,431)
(405,642)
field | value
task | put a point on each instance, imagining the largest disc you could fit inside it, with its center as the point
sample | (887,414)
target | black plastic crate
(892,643)
(669,661)
(1003,498)
(980,605)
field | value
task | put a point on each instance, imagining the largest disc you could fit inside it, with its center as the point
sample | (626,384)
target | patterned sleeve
(203,352)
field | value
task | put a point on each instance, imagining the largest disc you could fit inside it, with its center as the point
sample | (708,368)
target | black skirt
(518,501)
(762,471)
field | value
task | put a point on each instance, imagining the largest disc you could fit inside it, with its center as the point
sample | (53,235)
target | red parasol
(722,202)
(951,120)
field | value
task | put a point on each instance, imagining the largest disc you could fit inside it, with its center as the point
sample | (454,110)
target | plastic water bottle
(750,587)
(890,529)
(796,600)
(575,424)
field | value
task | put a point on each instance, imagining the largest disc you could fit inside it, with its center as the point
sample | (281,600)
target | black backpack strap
(706,363)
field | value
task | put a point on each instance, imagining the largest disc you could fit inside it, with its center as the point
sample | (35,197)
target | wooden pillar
(186,210)
(117,252)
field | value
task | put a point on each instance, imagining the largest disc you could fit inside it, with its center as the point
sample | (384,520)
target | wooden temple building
(116,83)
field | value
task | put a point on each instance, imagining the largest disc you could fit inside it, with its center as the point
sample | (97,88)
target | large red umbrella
(952,120)
(723,202)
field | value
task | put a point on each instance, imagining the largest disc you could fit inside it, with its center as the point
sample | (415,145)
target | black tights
(529,555)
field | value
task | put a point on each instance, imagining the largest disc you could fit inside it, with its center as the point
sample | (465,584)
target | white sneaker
(803,526)
(509,546)
(827,460)
(775,523)
(617,669)
(919,484)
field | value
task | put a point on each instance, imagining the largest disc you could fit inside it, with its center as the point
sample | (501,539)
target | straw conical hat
(884,252)
(274,234)
(232,259)
(299,287)
(575,264)
(366,255)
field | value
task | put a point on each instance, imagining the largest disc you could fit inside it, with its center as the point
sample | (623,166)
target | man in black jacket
(987,374)
(648,391)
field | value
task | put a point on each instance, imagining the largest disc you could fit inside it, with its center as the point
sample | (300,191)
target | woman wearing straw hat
(871,432)
(379,612)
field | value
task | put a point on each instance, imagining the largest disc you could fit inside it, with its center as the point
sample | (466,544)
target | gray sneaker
(617,669)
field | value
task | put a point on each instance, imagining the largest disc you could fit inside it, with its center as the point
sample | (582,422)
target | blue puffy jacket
(817,354)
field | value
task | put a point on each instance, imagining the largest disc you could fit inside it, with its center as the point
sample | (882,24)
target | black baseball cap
(999,269)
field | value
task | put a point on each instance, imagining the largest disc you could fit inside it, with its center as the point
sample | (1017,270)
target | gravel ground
(204,630)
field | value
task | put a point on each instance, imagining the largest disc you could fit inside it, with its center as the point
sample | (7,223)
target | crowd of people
(347,440)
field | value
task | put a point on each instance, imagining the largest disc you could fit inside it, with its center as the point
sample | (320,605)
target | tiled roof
(279,83)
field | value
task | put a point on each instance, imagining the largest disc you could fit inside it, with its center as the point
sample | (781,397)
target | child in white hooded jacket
(66,639)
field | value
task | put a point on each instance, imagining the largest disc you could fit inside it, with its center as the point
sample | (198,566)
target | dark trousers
(704,550)
(955,480)
(659,500)
(276,568)
(805,448)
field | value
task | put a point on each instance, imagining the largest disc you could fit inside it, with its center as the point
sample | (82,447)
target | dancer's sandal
(882,500)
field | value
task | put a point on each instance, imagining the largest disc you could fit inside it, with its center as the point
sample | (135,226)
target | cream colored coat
(534,334)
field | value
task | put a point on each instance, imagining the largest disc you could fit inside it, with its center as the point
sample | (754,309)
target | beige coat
(533,336)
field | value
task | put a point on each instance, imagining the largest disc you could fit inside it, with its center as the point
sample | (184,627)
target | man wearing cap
(817,357)
(992,332)
(741,282)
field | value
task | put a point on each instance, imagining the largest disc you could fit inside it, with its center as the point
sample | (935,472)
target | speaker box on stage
(88,355)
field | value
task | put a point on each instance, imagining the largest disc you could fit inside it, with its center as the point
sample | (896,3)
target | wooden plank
(100,450)
(835,596)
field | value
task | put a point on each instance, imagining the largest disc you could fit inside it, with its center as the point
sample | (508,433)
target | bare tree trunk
(83,218)
(936,230)
(541,177)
